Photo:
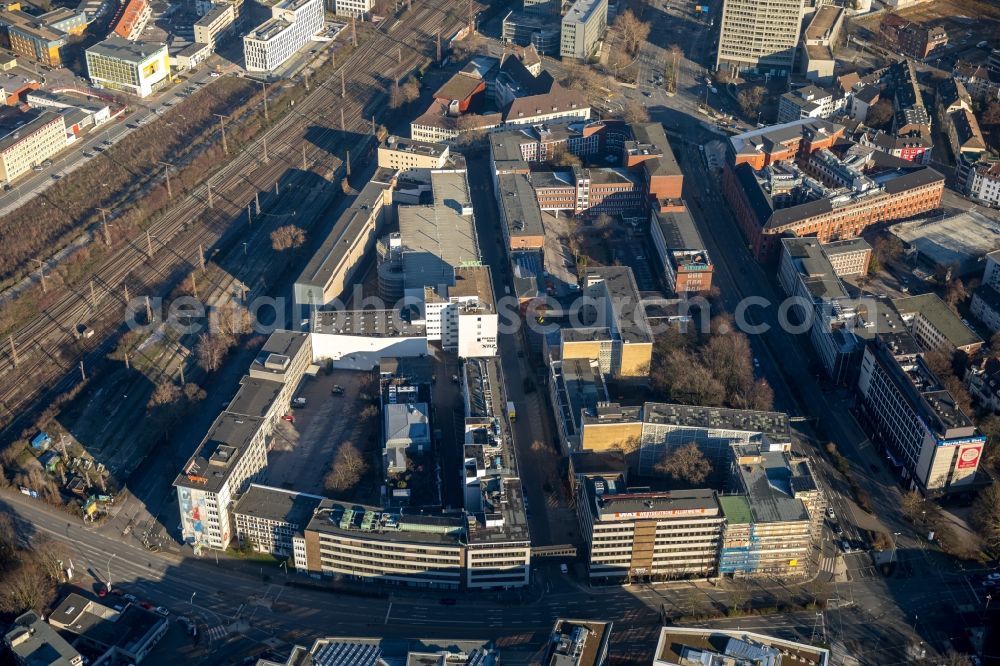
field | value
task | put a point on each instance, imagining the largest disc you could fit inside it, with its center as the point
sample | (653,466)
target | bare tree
(165,394)
(761,396)
(210,351)
(986,516)
(232,321)
(26,587)
(955,294)
(562,157)
(750,100)
(287,237)
(634,32)
(194,393)
(51,556)
(634,112)
(685,463)
(347,469)
(879,114)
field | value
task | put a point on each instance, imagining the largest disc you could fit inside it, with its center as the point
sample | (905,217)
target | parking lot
(303,449)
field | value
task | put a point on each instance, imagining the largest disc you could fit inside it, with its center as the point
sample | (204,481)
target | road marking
(387,611)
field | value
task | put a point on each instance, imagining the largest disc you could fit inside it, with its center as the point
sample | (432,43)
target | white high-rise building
(273,42)
(464,318)
(759,35)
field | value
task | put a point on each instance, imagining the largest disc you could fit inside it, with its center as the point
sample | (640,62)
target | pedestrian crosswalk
(216,632)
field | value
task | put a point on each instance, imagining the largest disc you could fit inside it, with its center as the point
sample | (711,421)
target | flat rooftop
(940,316)
(958,239)
(633,327)
(813,265)
(519,206)
(644,505)
(773,424)
(277,504)
(459,87)
(366,323)
(368,522)
(679,646)
(679,231)
(255,397)
(822,22)
(474,282)
(327,260)
(104,626)
(278,351)
(36,642)
(425,148)
(766,139)
(651,138)
(219,452)
(131,52)
(37,121)
(769,486)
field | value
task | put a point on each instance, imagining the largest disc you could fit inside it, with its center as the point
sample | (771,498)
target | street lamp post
(892,557)
(113,556)
(192,597)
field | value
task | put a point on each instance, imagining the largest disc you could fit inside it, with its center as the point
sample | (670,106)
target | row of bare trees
(28,575)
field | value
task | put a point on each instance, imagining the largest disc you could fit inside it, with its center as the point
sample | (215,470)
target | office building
(821,35)
(215,25)
(403,154)
(529,29)
(759,36)
(41,137)
(190,56)
(786,179)
(687,268)
(924,433)
(267,518)
(33,642)
(614,329)
(233,453)
(576,385)
(137,68)
(119,637)
(578,643)
(463,316)
(292,24)
(337,651)
(329,271)
(357,9)
(133,19)
(808,102)
(648,536)
(583,26)
(935,326)
(658,427)
(359,339)
(839,325)
(775,520)
(680,646)
(41,38)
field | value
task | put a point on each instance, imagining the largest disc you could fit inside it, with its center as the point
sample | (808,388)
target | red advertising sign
(969,457)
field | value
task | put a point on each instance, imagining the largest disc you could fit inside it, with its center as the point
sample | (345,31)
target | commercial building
(785,179)
(935,326)
(583,26)
(952,245)
(464,316)
(215,25)
(531,29)
(337,651)
(687,266)
(292,24)
(132,20)
(680,646)
(190,56)
(576,385)
(983,183)
(329,271)
(923,431)
(759,36)
(233,453)
(821,35)
(359,339)
(358,9)
(808,102)
(648,152)
(125,636)
(41,38)
(578,643)
(614,329)
(648,536)
(776,518)
(41,137)
(33,642)
(138,68)
(267,518)
(839,325)
(403,154)
(97,109)
(559,103)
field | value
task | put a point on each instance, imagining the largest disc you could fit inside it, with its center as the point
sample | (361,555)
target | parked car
(160,610)
(289,418)
(563,568)
(129,598)
(299,402)
(337,389)
(837,529)
(830,513)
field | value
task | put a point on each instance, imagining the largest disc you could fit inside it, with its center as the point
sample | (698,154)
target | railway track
(47,353)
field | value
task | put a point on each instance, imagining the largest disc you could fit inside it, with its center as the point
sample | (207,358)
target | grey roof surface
(369,522)
(122,49)
(255,397)
(366,323)
(768,485)
(101,625)
(766,138)
(608,505)
(39,119)
(282,343)
(406,422)
(679,230)
(326,261)
(630,316)
(519,206)
(940,316)
(277,504)
(38,644)
(958,239)
(219,452)
(814,268)
(773,424)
